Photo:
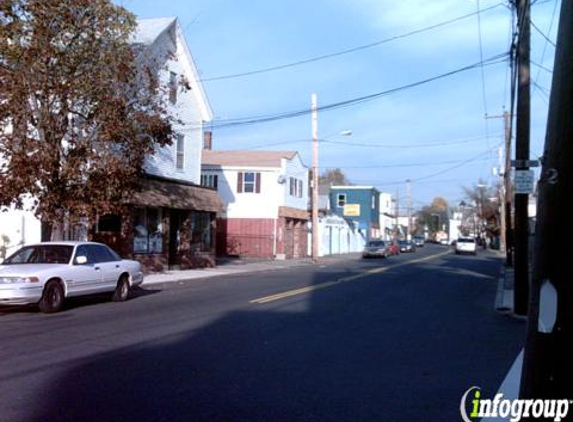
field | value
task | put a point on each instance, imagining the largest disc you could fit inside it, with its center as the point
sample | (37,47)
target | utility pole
(397,231)
(506,193)
(521,288)
(315,245)
(409,206)
(507,190)
(501,196)
(547,366)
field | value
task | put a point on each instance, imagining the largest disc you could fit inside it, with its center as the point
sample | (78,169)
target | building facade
(388,219)
(359,204)
(169,220)
(265,194)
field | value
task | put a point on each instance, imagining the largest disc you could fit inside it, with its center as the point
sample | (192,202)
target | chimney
(207,139)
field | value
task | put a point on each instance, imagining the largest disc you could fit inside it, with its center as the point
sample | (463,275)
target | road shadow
(389,347)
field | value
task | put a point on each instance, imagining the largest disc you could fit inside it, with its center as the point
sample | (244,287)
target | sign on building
(352,210)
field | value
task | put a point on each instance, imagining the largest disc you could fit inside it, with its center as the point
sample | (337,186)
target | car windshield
(41,254)
(465,240)
(377,243)
(404,242)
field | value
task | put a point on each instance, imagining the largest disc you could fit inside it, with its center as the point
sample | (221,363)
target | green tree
(79,110)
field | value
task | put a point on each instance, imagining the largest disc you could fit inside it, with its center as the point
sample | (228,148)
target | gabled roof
(148,31)
(245,158)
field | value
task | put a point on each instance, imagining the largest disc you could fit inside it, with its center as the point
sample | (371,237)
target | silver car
(49,272)
(375,248)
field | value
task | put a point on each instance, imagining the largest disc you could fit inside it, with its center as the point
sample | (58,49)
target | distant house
(360,204)
(171,220)
(387,216)
(266,202)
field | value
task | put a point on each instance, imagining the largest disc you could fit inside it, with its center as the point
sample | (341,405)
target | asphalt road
(375,340)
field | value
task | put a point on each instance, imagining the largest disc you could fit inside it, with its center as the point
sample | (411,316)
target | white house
(172,218)
(387,215)
(266,202)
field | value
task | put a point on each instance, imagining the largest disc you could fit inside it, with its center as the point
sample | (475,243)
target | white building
(172,218)
(387,215)
(266,202)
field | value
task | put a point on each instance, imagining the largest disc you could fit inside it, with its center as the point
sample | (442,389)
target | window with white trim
(180,152)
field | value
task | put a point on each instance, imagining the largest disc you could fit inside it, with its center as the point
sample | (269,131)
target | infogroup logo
(515,410)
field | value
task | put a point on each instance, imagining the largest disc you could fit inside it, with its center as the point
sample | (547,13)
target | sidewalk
(229,266)
(504,303)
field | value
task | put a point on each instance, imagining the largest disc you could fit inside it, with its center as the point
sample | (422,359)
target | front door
(175,226)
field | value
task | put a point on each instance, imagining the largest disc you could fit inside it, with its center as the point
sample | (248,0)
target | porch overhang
(290,212)
(155,192)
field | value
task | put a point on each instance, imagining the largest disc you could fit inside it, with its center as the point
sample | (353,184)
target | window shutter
(257,182)
(240,182)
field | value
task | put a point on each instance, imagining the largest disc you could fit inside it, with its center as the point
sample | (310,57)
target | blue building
(360,204)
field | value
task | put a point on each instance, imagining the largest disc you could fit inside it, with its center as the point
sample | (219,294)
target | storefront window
(200,226)
(148,236)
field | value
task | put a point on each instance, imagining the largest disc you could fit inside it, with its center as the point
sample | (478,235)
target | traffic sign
(523,181)
(524,163)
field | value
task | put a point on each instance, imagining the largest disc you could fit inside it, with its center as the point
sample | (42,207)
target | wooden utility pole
(507,190)
(315,245)
(521,288)
(548,364)
(409,207)
(505,198)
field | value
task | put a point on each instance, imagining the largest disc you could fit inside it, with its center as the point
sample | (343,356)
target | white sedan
(48,272)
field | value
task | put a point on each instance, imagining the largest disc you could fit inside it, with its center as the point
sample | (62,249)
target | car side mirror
(81,260)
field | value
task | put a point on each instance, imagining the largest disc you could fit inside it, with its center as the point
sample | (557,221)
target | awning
(171,194)
(290,212)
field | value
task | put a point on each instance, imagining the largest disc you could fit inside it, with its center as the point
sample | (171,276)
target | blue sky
(412,134)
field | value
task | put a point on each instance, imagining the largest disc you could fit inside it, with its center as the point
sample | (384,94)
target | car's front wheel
(53,298)
(121,292)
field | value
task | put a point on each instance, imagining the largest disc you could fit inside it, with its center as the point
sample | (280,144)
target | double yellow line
(336,282)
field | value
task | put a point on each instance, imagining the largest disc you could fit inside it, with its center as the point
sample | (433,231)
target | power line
(458,164)
(482,71)
(547,39)
(399,145)
(499,58)
(402,165)
(546,42)
(347,51)
(540,66)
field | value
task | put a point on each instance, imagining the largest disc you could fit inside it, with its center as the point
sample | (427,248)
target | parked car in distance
(407,246)
(393,247)
(375,249)
(418,240)
(47,273)
(466,245)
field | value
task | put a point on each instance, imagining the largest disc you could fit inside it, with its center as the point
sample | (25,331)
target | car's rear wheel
(121,292)
(52,298)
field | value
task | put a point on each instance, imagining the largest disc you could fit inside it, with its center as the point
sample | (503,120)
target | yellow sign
(352,210)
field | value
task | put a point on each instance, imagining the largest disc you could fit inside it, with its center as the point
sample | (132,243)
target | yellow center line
(324,285)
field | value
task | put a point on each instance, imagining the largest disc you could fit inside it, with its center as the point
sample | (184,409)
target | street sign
(523,181)
(524,163)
